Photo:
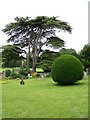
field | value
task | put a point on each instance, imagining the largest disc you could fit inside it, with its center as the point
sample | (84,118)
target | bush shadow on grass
(3,82)
(74,84)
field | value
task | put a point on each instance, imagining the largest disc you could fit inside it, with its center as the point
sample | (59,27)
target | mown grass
(44,99)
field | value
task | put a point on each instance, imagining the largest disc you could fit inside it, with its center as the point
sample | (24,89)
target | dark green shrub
(7,73)
(24,71)
(67,69)
(19,73)
(46,66)
(14,74)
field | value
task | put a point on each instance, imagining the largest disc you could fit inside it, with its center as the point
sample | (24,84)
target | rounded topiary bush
(67,69)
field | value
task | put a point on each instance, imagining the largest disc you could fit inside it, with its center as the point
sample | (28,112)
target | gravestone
(41,76)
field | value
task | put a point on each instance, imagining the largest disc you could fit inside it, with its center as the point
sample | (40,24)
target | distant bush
(7,73)
(19,73)
(14,74)
(67,69)
(46,65)
(24,71)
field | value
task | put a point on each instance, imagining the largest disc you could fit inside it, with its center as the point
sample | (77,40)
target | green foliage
(11,56)
(19,73)
(7,73)
(46,65)
(24,72)
(14,74)
(46,60)
(67,69)
(55,42)
(69,51)
(85,52)
(31,32)
(85,63)
(85,56)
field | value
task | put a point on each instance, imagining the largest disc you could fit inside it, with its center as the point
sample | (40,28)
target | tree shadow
(74,84)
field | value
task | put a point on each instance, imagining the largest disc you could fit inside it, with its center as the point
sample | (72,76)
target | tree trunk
(28,55)
(36,50)
(34,65)
(34,58)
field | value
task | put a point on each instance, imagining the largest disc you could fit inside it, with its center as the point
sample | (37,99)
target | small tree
(85,56)
(85,52)
(11,56)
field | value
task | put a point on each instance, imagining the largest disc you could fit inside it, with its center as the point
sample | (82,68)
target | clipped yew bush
(67,69)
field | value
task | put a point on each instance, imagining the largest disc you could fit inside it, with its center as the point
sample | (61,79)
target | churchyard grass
(44,99)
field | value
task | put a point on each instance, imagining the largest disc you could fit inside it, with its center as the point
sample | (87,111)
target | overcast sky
(75,12)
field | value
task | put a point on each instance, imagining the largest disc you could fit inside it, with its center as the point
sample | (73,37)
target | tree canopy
(68,51)
(85,52)
(46,59)
(85,56)
(11,56)
(36,32)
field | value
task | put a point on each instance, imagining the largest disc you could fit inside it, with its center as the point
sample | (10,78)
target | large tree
(34,33)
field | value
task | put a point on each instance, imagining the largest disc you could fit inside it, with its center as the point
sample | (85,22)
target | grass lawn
(44,99)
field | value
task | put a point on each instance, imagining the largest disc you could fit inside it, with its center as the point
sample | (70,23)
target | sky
(75,12)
